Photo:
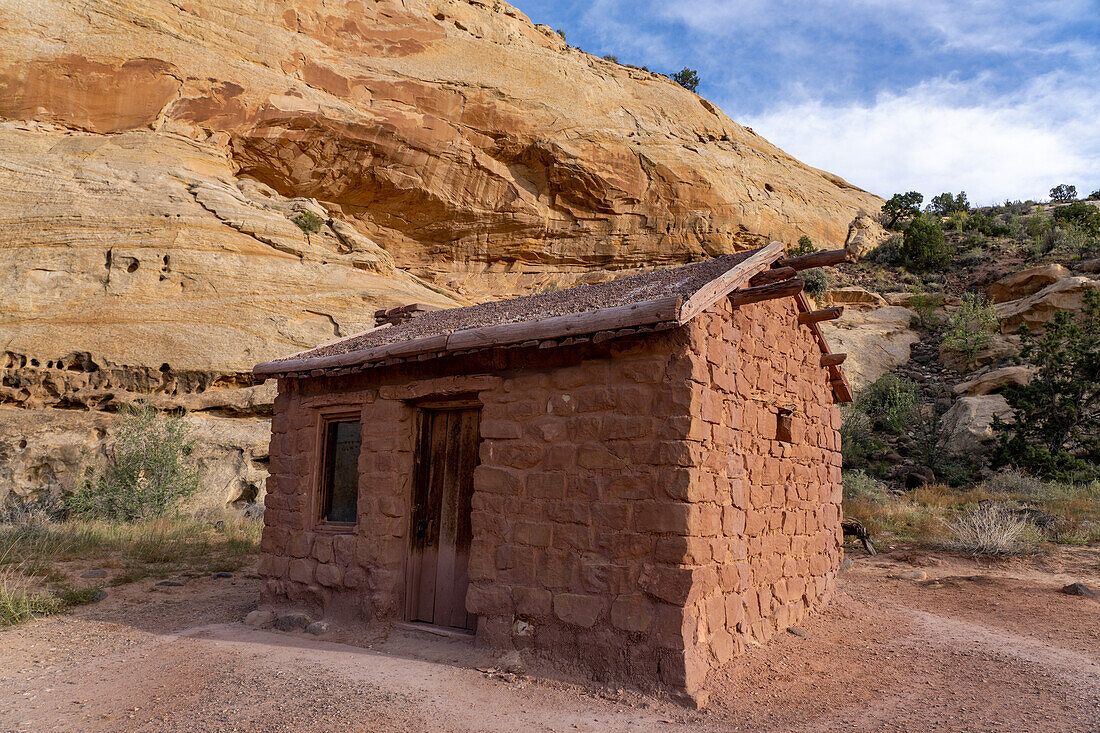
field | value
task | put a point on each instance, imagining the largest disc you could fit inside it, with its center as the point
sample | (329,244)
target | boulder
(1026,282)
(1091,266)
(853,297)
(996,379)
(864,234)
(1000,348)
(1039,308)
(968,425)
(876,340)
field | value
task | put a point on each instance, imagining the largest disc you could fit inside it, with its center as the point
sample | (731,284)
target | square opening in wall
(783,425)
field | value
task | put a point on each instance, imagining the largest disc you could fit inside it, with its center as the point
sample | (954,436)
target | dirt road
(974,647)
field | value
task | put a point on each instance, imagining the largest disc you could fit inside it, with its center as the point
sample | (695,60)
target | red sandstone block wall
(780,541)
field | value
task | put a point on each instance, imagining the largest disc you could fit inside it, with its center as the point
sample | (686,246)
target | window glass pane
(341,471)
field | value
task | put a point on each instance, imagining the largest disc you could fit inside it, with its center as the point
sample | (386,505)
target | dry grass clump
(34,554)
(990,529)
(882,512)
(937,513)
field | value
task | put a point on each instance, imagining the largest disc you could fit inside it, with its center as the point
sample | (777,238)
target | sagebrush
(149,469)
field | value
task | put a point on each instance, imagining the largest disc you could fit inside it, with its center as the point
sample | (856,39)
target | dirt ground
(977,646)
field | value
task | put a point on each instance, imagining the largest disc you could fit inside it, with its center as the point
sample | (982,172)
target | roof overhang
(601,324)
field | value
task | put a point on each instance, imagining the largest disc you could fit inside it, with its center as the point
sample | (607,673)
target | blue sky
(1000,98)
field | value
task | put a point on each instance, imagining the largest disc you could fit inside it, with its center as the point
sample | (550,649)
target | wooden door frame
(423,406)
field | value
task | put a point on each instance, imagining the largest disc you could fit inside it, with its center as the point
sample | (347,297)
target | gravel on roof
(681,281)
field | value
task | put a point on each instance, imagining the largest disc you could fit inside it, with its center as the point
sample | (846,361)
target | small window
(340,475)
(783,425)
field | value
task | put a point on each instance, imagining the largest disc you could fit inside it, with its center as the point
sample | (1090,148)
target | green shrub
(817,282)
(857,442)
(890,402)
(561,33)
(308,222)
(926,305)
(1085,217)
(970,328)
(1055,433)
(805,246)
(923,246)
(148,472)
(1094,196)
(956,221)
(612,59)
(687,78)
(1063,192)
(900,206)
(887,253)
(858,486)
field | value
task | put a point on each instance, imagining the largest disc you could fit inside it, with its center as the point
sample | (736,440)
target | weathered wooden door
(440,543)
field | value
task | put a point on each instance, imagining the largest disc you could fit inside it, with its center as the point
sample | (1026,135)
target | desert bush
(956,221)
(970,328)
(926,305)
(923,246)
(890,402)
(817,282)
(612,59)
(989,529)
(149,470)
(308,222)
(887,253)
(1094,196)
(805,246)
(857,442)
(1084,217)
(687,78)
(1063,192)
(946,204)
(1015,483)
(1055,433)
(858,486)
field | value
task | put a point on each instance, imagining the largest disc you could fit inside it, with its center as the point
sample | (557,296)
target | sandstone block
(633,612)
(578,609)
(301,571)
(329,575)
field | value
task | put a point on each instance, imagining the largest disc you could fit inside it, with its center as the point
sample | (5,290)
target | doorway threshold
(461,634)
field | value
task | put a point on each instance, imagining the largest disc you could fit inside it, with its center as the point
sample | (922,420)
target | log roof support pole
(773,275)
(825,314)
(817,259)
(771,291)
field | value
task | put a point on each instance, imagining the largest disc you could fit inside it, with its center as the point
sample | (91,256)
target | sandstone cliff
(153,152)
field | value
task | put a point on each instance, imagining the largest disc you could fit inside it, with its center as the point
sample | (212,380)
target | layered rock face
(153,153)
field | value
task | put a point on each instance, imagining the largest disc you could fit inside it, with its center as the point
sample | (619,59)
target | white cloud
(926,139)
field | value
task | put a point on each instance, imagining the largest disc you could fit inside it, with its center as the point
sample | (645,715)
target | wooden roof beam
(774,275)
(825,314)
(828,360)
(771,291)
(817,259)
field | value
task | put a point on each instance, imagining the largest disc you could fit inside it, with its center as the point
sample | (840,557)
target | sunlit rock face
(153,154)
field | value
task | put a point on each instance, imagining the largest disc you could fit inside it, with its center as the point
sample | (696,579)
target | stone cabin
(624,482)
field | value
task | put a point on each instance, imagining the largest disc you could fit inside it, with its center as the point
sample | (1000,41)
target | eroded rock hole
(132,266)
